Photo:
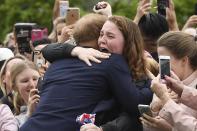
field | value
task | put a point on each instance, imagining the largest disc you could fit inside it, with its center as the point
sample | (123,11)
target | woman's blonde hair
(15,71)
(4,69)
(152,66)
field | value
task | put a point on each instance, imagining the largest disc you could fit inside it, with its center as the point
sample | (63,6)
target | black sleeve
(57,51)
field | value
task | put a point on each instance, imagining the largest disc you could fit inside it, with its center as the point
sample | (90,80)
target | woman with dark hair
(152,26)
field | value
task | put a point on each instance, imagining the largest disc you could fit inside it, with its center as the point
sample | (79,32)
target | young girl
(5,80)
(24,78)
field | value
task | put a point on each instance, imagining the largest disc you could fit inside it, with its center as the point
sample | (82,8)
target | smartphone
(22,33)
(144,109)
(161,6)
(73,15)
(39,34)
(195,9)
(38,58)
(164,66)
(63,6)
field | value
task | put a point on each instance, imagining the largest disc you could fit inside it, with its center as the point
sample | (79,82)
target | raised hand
(192,21)
(142,9)
(171,17)
(103,8)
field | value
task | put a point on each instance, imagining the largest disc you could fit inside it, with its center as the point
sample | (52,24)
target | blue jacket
(71,88)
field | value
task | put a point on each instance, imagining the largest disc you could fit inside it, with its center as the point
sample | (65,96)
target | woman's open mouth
(104,50)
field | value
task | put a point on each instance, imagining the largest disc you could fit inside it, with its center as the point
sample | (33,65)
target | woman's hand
(90,127)
(156,122)
(33,100)
(156,104)
(160,90)
(174,83)
(142,9)
(89,54)
(190,22)
(175,97)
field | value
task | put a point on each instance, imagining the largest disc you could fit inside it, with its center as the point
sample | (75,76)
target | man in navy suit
(71,88)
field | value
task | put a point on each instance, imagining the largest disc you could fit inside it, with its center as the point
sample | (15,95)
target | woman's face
(25,81)
(6,78)
(176,64)
(111,38)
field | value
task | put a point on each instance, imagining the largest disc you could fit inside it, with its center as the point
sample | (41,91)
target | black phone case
(161,5)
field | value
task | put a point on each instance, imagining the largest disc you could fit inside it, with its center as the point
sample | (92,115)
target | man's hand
(89,54)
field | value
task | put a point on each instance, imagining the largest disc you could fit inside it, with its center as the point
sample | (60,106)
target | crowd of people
(102,66)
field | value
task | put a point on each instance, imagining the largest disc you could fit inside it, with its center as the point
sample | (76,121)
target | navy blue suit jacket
(71,88)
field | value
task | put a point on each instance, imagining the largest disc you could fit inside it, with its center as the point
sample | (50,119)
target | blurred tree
(13,11)
(40,11)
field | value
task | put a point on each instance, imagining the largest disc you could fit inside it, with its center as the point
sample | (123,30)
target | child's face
(59,30)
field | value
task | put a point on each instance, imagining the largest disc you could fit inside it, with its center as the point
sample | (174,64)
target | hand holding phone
(144,109)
